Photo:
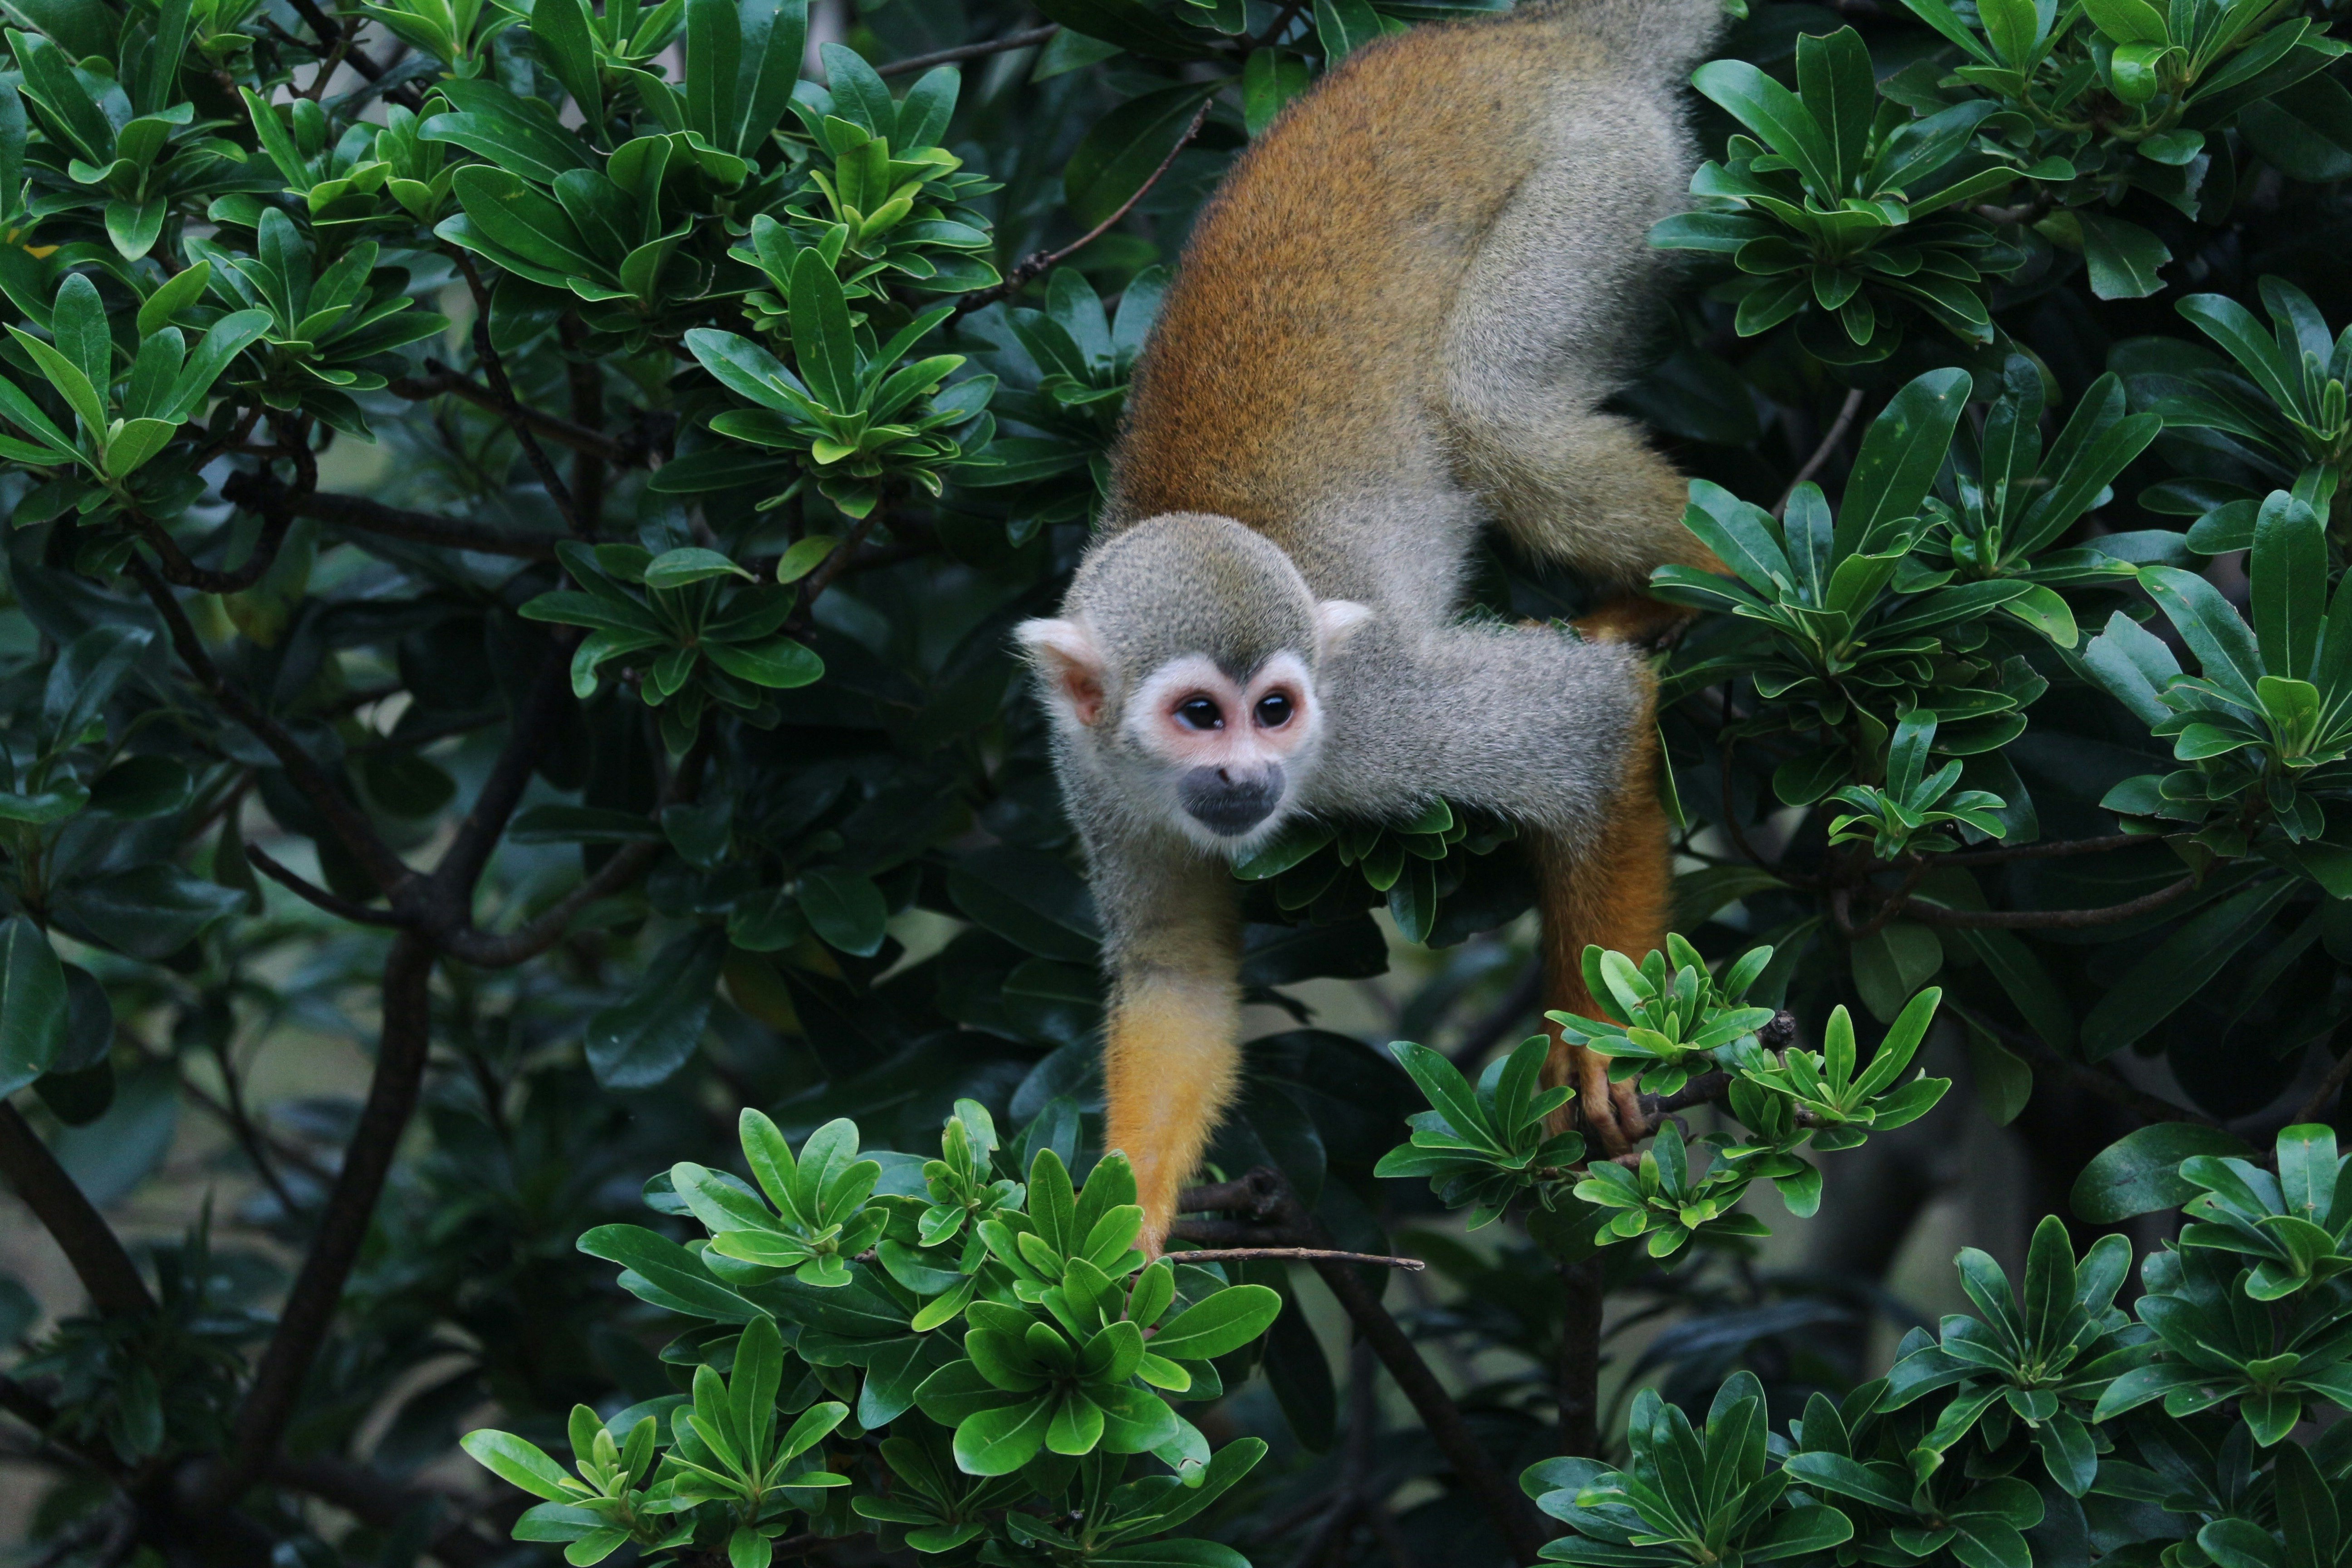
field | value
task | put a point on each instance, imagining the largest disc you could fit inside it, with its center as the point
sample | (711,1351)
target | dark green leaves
(646,1037)
(1900,454)
(1126,147)
(33,1010)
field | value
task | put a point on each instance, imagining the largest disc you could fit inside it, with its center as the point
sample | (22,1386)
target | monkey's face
(1182,679)
(1221,758)
(1228,748)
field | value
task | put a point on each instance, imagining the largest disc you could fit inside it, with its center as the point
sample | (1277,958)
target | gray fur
(1548,307)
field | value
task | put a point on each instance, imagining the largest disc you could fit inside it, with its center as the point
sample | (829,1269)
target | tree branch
(1038,265)
(311,893)
(358,835)
(1838,427)
(1277,1219)
(1295,1255)
(1005,45)
(440,380)
(2048,920)
(534,721)
(494,365)
(404,1044)
(178,569)
(485,951)
(65,1211)
(393,523)
(2057,849)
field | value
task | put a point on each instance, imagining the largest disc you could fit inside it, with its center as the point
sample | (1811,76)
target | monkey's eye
(1200,714)
(1274,710)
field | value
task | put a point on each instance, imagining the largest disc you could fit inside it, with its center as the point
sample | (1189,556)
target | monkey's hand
(1612,1111)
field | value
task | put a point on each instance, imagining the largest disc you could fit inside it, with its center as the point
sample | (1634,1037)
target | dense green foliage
(515,514)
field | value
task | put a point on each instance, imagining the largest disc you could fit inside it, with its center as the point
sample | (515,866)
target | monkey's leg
(1172,1048)
(1614,892)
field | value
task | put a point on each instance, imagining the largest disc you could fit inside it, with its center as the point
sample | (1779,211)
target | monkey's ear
(1336,620)
(1072,664)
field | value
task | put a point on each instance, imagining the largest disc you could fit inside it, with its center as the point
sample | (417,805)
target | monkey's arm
(1554,732)
(1172,1050)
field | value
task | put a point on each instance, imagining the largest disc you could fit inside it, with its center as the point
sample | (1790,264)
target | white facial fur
(1227,760)
(1198,721)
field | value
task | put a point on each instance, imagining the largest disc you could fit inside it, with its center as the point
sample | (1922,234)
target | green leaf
(2123,258)
(2226,650)
(641,1041)
(2180,966)
(2288,582)
(777,664)
(666,1273)
(2128,21)
(821,338)
(848,911)
(522,221)
(149,911)
(33,1014)
(1342,27)
(689,564)
(1777,115)
(1127,146)
(1899,455)
(1835,83)
(563,33)
(1217,1325)
(1741,534)
(1799,1532)
(2140,1172)
(999,1442)
(1134,27)
(517,1462)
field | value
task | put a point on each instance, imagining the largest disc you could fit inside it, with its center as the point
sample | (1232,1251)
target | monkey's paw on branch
(1612,1113)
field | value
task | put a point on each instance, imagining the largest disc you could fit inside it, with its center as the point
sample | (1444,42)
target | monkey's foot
(1612,1111)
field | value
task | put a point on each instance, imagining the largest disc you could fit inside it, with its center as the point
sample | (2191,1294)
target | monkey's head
(1182,671)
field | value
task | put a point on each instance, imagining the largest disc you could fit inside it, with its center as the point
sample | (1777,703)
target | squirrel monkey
(1391,326)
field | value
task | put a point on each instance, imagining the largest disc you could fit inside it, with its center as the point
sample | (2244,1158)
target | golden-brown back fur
(1315,289)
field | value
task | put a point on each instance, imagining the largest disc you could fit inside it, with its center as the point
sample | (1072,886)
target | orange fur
(1170,1069)
(1619,896)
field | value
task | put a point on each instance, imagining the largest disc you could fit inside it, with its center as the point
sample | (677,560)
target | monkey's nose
(1229,803)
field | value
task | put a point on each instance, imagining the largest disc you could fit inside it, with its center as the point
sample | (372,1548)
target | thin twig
(418,527)
(1043,262)
(2312,1108)
(2057,849)
(345,820)
(65,1211)
(2049,920)
(1005,45)
(441,380)
(494,366)
(1294,1255)
(1838,427)
(311,893)
(1276,1217)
